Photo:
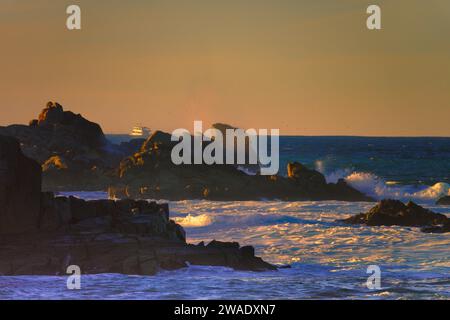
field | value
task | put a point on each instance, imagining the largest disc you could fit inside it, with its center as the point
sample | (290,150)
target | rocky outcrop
(41,234)
(75,155)
(150,173)
(20,187)
(396,213)
(73,151)
(444,201)
(106,236)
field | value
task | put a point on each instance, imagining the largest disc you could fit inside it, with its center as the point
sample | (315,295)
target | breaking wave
(191,221)
(378,188)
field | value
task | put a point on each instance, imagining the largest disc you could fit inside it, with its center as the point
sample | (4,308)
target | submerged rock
(396,213)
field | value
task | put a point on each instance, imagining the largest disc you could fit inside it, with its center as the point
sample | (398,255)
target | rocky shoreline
(41,234)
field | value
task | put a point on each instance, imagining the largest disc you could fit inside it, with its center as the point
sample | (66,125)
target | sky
(306,67)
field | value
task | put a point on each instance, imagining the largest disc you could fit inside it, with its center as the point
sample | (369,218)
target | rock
(310,180)
(106,236)
(20,189)
(250,168)
(444,228)
(444,201)
(61,122)
(248,251)
(223,245)
(396,213)
(72,150)
(150,173)
(75,155)
(42,234)
(54,163)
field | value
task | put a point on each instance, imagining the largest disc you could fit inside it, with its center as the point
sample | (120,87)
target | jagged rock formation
(396,213)
(73,151)
(44,234)
(150,173)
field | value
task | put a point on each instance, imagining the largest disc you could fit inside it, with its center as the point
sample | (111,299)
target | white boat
(139,131)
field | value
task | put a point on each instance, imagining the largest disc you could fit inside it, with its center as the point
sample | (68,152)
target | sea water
(328,259)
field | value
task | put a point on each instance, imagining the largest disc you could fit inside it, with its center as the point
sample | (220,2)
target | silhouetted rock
(64,123)
(307,179)
(106,236)
(43,234)
(396,213)
(75,155)
(73,151)
(445,201)
(151,173)
(20,188)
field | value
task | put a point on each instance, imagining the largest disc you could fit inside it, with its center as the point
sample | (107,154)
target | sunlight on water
(329,260)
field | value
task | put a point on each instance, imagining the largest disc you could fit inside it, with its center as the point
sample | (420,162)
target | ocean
(328,260)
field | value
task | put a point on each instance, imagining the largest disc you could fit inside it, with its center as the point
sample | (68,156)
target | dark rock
(42,234)
(20,189)
(223,245)
(396,213)
(61,122)
(248,251)
(73,151)
(75,155)
(150,173)
(444,228)
(444,201)
(299,173)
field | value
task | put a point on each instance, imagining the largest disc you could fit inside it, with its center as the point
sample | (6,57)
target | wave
(249,220)
(191,221)
(378,188)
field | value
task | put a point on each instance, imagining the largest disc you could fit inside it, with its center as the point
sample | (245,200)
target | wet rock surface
(396,213)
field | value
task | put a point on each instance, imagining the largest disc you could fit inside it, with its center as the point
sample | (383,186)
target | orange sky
(305,67)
